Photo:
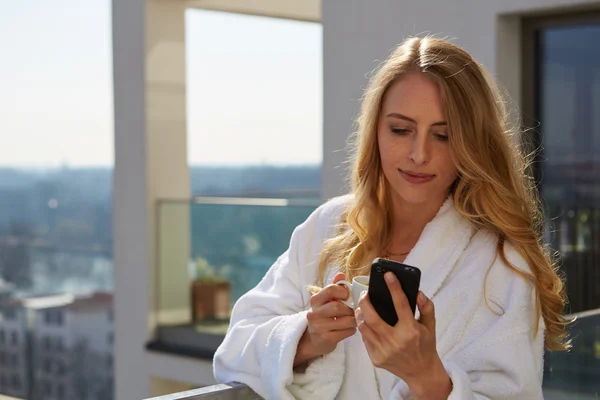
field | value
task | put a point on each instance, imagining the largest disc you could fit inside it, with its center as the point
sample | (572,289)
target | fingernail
(358,316)
(389,276)
(422,298)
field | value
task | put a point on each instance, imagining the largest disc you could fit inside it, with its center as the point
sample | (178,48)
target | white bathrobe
(489,350)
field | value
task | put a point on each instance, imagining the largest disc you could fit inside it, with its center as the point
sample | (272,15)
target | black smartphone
(379,293)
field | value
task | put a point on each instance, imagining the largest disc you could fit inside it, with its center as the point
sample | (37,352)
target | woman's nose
(419,152)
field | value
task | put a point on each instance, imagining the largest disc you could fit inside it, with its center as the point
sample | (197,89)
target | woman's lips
(416,178)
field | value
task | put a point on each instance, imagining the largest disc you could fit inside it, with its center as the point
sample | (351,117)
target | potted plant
(210,292)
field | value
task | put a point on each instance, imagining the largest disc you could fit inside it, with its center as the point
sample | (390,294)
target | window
(47,387)
(2,358)
(562,93)
(59,343)
(9,313)
(54,317)
(16,382)
(14,338)
(56,162)
(110,338)
(60,391)
(2,336)
(60,368)
(276,68)
(46,343)
(48,366)
(565,99)
(15,360)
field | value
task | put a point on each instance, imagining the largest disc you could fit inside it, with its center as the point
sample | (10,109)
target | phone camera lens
(379,269)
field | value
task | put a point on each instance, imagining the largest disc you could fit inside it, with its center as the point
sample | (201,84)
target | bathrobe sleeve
(268,322)
(499,355)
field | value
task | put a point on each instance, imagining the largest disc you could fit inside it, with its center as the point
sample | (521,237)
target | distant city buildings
(57,347)
(14,350)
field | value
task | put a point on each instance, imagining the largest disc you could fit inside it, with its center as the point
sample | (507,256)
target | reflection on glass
(569,106)
(575,375)
(230,247)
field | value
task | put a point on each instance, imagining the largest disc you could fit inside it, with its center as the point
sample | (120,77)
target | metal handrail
(245,201)
(229,391)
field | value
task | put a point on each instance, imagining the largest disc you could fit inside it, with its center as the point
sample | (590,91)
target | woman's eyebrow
(404,117)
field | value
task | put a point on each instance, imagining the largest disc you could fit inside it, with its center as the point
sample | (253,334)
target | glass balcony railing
(576,374)
(573,375)
(210,251)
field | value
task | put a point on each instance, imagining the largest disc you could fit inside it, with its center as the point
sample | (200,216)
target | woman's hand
(329,322)
(407,350)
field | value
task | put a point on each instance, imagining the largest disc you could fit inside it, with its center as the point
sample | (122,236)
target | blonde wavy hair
(494,188)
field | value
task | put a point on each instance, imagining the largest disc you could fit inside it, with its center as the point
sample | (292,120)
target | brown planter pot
(210,300)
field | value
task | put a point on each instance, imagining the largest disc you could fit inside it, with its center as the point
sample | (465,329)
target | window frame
(531,106)
(531,77)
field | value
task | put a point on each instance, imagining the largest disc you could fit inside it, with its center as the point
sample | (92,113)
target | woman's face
(412,134)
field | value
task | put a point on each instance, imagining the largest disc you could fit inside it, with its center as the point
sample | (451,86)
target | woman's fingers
(328,294)
(399,299)
(334,309)
(337,324)
(340,276)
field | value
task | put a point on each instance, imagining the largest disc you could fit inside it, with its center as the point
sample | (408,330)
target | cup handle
(350,301)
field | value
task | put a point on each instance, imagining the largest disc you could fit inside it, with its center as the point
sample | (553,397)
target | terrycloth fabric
(489,351)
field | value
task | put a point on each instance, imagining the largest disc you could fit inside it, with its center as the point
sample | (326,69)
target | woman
(438,183)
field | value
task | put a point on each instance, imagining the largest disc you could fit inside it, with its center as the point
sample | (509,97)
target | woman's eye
(400,131)
(441,137)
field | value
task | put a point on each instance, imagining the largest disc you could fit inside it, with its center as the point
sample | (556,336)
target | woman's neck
(409,221)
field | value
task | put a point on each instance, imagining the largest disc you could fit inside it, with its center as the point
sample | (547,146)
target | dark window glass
(46,343)
(59,343)
(48,366)
(16,382)
(60,391)
(568,104)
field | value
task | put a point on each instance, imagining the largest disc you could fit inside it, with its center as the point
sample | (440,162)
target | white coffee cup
(358,285)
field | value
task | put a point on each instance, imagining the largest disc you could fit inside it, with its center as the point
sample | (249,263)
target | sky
(254,87)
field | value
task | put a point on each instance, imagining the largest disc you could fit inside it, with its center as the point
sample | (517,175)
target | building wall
(50,342)
(91,353)
(95,326)
(14,359)
(357,34)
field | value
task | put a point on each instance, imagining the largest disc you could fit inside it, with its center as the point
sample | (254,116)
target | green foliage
(206,273)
